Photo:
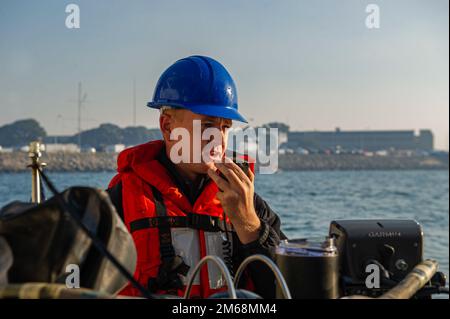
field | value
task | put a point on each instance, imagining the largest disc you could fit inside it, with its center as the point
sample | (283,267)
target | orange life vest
(144,179)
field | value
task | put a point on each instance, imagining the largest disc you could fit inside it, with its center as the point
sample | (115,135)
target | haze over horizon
(311,64)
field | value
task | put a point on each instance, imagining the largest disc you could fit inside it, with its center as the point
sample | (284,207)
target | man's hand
(236,197)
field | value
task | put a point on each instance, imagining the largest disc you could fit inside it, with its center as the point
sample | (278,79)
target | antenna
(81,99)
(134,102)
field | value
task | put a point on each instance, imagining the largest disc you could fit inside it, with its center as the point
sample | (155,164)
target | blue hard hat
(199,84)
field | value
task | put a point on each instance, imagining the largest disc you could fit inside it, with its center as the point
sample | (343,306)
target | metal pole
(79,115)
(35,187)
(415,280)
(35,153)
(134,102)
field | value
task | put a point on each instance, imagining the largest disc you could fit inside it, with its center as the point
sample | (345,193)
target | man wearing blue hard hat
(179,211)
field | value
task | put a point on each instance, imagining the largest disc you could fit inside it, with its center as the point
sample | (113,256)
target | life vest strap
(194,221)
(171,265)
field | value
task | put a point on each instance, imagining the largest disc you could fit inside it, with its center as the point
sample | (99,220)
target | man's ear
(165,125)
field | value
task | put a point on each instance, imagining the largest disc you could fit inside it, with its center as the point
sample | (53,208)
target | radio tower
(81,99)
(134,102)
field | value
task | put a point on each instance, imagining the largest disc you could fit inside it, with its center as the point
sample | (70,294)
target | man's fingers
(220,196)
(220,182)
(251,175)
(239,172)
(232,177)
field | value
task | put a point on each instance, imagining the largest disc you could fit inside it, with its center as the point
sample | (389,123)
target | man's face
(206,140)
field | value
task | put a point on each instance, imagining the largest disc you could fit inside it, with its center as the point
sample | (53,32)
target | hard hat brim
(210,110)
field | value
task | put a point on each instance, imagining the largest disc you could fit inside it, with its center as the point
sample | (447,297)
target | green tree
(21,133)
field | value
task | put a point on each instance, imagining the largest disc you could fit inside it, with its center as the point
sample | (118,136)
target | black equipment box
(395,244)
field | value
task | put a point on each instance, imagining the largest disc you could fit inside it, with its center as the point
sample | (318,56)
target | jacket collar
(150,162)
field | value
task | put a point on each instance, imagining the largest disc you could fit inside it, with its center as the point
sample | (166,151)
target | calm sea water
(308,201)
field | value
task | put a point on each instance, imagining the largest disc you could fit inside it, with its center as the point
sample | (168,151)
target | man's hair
(171,111)
(164,108)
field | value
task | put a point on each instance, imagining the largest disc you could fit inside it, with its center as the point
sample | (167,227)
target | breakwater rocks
(85,162)
(359,162)
(61,162)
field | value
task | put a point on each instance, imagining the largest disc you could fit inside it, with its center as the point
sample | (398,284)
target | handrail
(222,267)
(415,280)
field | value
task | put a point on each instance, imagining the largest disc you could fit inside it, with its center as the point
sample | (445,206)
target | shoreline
(98,162)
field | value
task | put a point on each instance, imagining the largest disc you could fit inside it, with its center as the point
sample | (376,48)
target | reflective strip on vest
(186,244)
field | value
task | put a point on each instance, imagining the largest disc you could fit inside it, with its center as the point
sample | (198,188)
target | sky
(311,64)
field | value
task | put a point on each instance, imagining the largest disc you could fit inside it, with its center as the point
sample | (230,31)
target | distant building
(301,151)
(116,148)
(66,148)
(362,140)
(59,139)
(425,140)
(282,128)
(88,149)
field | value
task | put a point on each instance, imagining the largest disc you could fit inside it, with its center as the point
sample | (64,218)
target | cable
(95,240)
(222,267)
(272,266)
